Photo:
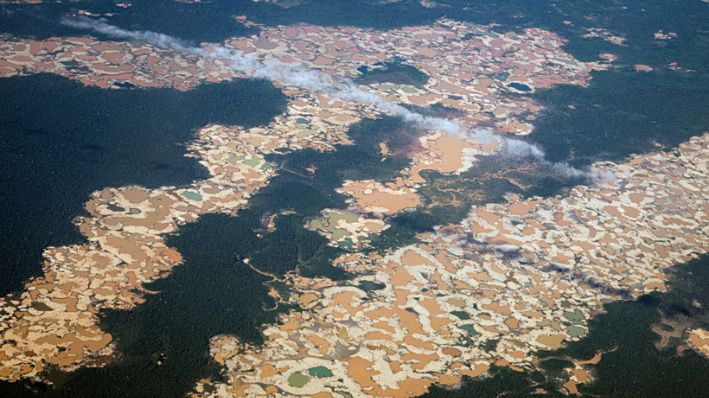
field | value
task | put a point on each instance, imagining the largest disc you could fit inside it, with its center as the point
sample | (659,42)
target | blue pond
(519,87)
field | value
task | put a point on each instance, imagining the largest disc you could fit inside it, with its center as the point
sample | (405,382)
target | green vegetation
(127,137)
(40,306)
(448,198)
(502,382)
(624,333)
(214,292)
(62,140)
(620,113)
(369,286)
(631,364)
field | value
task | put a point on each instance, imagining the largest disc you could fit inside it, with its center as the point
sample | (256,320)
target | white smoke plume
(312,80)
(100,26)
(514,147)
(271,69)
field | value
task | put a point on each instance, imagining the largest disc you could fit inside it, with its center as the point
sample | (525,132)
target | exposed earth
(305,199)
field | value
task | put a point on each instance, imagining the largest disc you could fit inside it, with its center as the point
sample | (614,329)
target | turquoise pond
(192,196)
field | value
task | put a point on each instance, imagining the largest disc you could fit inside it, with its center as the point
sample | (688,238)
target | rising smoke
(516,148)
(271,69)
(312,80)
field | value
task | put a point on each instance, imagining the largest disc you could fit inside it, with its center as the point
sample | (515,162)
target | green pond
(298,380)
(320,371)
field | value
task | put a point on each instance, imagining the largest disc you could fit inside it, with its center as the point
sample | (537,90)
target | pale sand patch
(440,152)
(552,341)
(374,197)
(384,149)
(699,340)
